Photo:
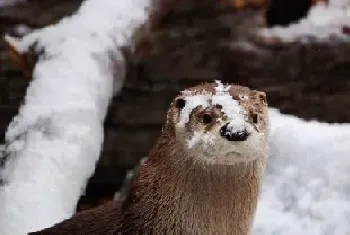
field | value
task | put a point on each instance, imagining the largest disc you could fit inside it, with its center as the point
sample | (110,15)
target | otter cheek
(254,145)
(194,140)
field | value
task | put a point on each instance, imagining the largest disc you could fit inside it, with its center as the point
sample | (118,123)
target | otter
(203,175)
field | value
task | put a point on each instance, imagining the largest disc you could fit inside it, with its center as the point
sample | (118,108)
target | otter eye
(262,97)
(180,103)
(255,118)
(207,118)
(218,106)
(243,97)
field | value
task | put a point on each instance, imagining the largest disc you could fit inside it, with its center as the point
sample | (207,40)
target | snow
(323,22)
(54,142)
(192,102)
(306,187)
(230,107)
(222,97)
(234,113)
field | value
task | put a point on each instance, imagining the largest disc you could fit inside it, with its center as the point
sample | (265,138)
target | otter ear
(262,96)
(180,103)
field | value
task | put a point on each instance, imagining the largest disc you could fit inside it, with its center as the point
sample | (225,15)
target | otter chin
(221,124)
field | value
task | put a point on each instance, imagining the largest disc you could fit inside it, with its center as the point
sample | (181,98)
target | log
(53,143)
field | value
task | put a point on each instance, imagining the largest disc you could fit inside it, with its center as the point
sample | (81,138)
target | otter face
(221,124)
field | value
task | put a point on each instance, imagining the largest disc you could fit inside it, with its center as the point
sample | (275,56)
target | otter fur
(203,176)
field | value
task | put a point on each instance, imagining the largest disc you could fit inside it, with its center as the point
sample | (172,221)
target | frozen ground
(307,184)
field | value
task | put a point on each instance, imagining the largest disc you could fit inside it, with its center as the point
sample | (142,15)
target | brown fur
(175,194)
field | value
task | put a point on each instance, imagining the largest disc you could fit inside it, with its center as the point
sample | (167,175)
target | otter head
(220,124)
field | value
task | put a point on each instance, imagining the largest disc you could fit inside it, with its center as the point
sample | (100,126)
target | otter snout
(232,135)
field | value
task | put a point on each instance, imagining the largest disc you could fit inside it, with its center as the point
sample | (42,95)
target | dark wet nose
(233,136)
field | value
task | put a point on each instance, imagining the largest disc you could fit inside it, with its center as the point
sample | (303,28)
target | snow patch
(234,113)
(220,89)
(324,21)
(192,102)
(231,107)
(306,187)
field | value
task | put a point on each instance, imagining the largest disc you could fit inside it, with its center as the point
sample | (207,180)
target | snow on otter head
(221,123)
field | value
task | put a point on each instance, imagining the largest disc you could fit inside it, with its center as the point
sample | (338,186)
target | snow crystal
(55,140)
(220,89)
(306,187)
(322,23)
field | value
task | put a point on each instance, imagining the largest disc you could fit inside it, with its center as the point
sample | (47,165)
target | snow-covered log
(54,142)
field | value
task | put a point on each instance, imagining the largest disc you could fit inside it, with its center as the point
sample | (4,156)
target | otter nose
(233,135)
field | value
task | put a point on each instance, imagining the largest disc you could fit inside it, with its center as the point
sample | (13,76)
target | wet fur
(174,194)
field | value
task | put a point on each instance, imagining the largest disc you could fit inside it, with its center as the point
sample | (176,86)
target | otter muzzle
(233,135)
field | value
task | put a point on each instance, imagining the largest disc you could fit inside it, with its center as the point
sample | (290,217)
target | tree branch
(54,142)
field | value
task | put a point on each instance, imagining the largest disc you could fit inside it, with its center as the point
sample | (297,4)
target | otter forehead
(217,86)
(227,97)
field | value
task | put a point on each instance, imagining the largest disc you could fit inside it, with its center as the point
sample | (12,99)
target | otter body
(203,175)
